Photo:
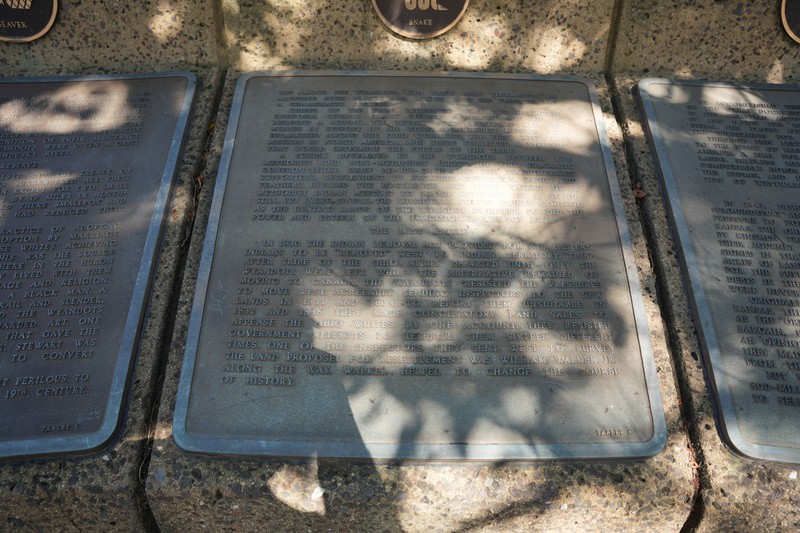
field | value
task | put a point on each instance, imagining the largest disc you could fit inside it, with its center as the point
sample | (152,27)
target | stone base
(233,495)
(188,492)
(734,494)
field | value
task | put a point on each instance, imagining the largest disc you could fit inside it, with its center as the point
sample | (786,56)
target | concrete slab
(98,37)
(705,39)
(189,492)
(545,37)
(735,494)
(722,41)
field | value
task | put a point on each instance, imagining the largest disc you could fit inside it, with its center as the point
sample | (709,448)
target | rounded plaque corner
(103,439)
(645,83)
(182,438)
(189,76)
(656,444)
(741,447)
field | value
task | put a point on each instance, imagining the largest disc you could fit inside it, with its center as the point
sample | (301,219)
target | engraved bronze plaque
(420,19)
(729,157)
(417,266)
(86,170)
(26,20)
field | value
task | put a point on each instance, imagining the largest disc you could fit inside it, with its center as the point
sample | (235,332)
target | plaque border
(118,396)
(725,412)
(245,446)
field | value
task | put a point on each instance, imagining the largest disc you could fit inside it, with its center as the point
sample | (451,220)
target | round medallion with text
(420,19)
(26,20)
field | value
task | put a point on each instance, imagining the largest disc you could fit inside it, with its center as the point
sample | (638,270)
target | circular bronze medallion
(420,19)
(26,20)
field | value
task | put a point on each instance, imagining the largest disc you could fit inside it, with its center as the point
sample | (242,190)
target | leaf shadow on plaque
(81,182)
(477,223)
(452,285)
(733,195)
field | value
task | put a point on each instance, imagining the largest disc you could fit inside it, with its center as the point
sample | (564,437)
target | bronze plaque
(420,19)
(86,170)
(417,266)
(26,20)
(729,157)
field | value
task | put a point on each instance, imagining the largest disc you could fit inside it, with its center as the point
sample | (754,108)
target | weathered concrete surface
(736,494)
(726,41)
(231,494)
(705,39)
(187,492)
(545,37)
(105,492)
(99,37)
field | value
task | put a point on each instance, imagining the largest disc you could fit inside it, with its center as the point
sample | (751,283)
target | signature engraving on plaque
(218,298)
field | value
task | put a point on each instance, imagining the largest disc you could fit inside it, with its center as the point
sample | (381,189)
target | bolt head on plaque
(26,20)
(420,19)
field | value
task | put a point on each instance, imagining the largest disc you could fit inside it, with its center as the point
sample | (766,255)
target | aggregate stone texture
(735,494)
(547,36)
(705,39)
(188,493)
(96,37)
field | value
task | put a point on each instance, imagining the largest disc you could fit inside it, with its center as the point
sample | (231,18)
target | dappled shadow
(465,305)
(551,37)
(729,155)
(86,168)
(94,37)
(82,207)
(690,44)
